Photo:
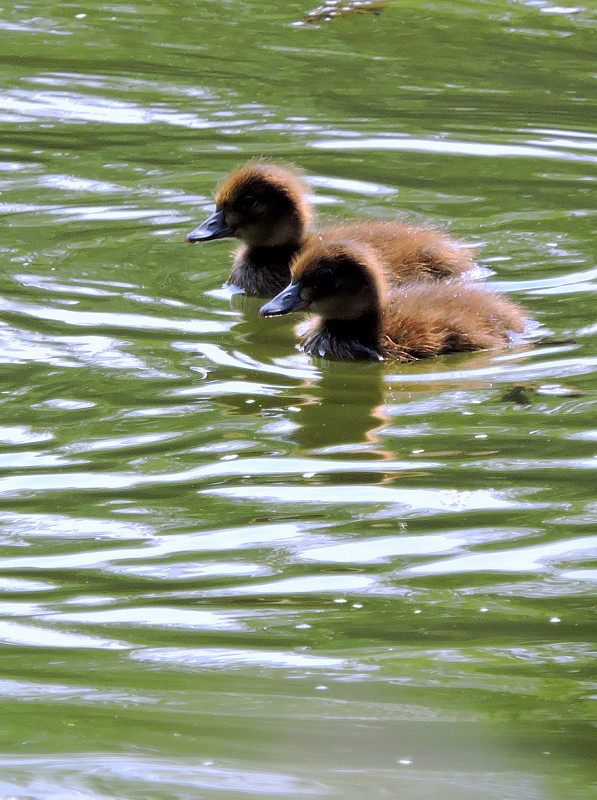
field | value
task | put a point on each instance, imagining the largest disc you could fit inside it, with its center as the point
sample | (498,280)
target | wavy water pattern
(228,570)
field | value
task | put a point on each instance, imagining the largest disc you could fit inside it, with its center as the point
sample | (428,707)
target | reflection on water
(231,570)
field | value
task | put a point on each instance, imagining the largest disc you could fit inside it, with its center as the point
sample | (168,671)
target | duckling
(361,316)
(265,206)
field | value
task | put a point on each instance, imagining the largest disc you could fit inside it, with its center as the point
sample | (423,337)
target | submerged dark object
(332,9)
(523,393)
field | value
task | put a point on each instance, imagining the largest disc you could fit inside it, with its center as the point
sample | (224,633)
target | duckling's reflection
(343,411)
(341,406)
(344,407)
(271,341)
(347,408)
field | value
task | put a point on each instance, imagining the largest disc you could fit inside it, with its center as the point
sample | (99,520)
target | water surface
(227,570)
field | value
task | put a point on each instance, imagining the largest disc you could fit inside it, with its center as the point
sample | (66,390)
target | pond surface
(228,571)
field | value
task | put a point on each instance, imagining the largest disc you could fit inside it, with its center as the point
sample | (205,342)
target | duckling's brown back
(423,319)
(409,252)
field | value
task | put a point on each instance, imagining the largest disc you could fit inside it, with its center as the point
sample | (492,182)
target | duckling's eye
(247,201)
(324,280)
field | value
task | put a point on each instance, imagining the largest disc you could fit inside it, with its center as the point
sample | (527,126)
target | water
(226,570)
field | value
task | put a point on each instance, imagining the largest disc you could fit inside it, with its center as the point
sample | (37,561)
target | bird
(361,316)
(266,206)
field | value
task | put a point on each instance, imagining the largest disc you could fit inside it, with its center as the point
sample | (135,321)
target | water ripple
(487,149)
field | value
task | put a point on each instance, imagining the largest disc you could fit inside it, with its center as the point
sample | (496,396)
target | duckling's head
(336,280)
(262,204)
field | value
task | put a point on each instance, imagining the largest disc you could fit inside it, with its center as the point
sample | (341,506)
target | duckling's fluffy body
(409,253)
(265,206)
(361,316)
(419,321)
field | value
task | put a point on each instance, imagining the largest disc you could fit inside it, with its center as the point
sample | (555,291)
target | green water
(227,571)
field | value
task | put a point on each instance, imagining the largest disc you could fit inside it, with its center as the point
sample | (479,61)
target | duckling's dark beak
(288,300)
(214,227)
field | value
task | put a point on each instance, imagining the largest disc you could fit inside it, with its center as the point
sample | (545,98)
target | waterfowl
(361,316)
(266,206)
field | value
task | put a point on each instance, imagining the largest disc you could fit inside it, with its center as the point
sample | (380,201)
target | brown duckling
(266,207)
(361,316)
